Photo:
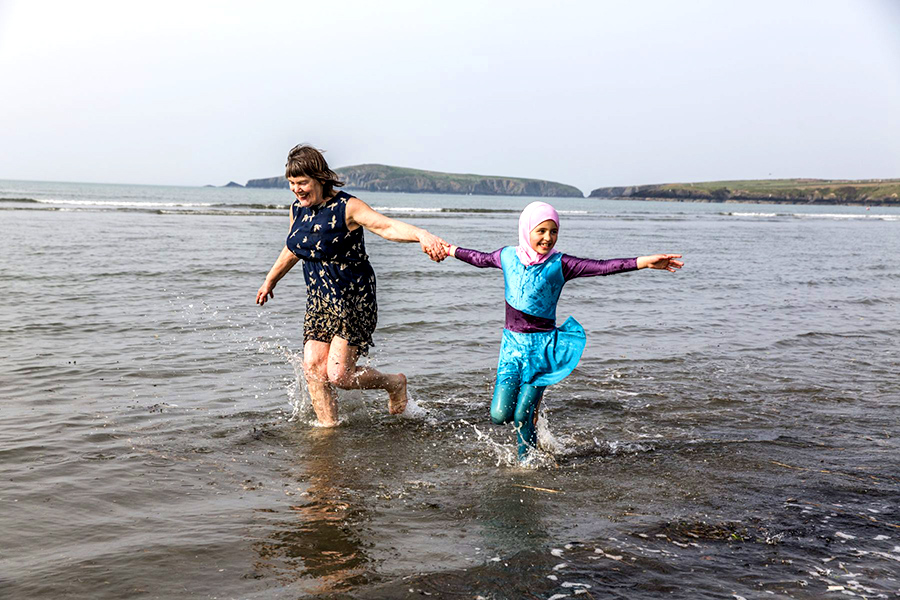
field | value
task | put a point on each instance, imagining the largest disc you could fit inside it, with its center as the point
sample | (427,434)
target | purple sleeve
(479,259)
(574,267)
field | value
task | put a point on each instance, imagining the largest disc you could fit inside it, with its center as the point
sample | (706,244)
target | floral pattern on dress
(340,281)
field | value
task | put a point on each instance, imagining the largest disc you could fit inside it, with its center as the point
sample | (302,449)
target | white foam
(617,447)
(126,204)
(833,216)
(413,410)
(556,445)
(406,209)
(504,454)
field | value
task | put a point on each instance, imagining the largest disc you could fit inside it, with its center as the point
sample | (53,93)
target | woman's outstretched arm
(361,214)
(283,264)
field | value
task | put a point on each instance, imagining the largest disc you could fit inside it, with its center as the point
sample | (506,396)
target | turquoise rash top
(533,350)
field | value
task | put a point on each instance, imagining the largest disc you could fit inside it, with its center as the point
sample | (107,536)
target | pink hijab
(533,215)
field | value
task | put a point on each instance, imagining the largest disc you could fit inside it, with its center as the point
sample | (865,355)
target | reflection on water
(321,542)
(513,516)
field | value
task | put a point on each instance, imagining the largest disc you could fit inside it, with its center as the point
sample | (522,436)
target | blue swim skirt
(541,358)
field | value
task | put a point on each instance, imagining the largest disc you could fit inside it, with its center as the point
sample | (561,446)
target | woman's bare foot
(397,398)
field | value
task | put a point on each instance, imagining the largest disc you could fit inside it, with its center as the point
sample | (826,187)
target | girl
(534,353)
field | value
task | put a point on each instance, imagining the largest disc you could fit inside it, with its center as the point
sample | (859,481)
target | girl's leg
(506,394)
(524,417)
(343,373)
(315,369)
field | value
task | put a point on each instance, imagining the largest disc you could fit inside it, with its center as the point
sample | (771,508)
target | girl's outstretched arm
(574,267)
(474,257)
(665,262)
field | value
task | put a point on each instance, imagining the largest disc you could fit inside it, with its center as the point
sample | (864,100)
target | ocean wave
(254,206)
(409,209)
(215,213)
(241,209)
(753,214)
(846,216)
(114,204)
(835,216)
(458,210)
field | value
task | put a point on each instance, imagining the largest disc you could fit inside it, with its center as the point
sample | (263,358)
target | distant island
(230,184)
(384,178)
(863,192)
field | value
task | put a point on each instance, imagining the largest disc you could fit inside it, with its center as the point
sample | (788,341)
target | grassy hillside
(885,192)
(385,178)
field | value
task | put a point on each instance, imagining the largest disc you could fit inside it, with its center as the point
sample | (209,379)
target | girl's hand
(450,249)
(433,246)
(265,292)
(661,261)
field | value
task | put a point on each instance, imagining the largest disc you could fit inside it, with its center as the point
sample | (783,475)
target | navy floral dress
(340,282)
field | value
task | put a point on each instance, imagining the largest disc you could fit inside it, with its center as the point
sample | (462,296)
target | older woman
(327,235)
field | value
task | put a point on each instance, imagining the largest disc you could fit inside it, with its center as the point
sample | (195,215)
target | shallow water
(730,432)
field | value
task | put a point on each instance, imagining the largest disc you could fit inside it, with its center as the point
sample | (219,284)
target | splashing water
(550,443)
(505,454)
(352,405)
(413,410)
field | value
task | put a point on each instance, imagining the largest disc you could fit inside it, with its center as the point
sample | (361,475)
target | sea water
(731,431)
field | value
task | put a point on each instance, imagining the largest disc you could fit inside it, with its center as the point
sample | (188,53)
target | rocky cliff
(384,178)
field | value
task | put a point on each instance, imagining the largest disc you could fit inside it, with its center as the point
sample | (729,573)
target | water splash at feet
(413,410)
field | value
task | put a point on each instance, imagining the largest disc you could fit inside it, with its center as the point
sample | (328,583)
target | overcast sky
(591,93)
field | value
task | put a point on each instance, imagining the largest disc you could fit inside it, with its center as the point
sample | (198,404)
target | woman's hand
(433,246)
(665,262)
(283,264)
(265,292)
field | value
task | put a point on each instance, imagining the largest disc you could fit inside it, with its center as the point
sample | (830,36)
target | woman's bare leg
(315,369)
(343,373)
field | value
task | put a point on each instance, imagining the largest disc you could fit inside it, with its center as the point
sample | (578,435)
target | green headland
(867,192)
(384,178)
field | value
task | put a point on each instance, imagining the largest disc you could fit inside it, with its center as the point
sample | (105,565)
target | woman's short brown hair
(306,161)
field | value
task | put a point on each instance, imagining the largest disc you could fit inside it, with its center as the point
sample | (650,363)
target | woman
(327,235)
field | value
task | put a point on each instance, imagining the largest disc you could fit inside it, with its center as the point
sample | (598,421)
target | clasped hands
(436,248)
